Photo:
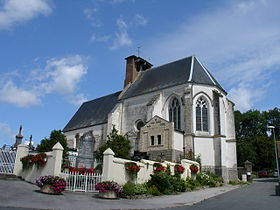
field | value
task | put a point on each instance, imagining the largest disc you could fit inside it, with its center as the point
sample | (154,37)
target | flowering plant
(159,168)
(79,170)
(109,186)
(132,169)
(194,168)
(56,183)
(179,169)
(39,160)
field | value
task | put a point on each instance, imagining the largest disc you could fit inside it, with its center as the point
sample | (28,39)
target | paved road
(260,195)
(19,195)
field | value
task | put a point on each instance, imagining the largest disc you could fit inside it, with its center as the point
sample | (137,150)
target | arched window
(175,113)
(201,115)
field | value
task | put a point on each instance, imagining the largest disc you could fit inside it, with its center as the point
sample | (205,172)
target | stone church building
(165,112)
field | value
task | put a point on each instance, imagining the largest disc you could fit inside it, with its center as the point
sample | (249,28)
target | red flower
(179,169)
(194,168)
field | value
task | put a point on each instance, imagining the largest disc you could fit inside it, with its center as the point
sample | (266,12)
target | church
(166,112)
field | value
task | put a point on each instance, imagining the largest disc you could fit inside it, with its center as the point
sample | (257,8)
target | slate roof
(93,112)
(175,73)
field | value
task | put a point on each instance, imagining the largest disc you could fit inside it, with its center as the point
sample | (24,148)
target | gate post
(22,151)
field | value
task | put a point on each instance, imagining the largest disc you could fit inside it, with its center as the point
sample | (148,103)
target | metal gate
(7,161)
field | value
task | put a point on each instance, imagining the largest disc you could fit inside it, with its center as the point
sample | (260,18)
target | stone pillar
(57,152)
(19,138)
(188,118)
(108,157)
(22,151)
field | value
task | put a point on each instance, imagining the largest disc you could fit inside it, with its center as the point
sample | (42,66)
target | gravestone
(85,152)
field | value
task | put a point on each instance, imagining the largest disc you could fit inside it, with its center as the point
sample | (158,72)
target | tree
(118,143)
(253,143)
(46,145)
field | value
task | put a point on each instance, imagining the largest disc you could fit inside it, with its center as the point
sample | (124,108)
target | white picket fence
(81,183)
(7,161)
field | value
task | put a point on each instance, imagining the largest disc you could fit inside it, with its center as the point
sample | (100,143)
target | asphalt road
(19,195)
(260,195)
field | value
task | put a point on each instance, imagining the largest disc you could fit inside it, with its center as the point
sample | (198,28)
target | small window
(159,139)
(152,140)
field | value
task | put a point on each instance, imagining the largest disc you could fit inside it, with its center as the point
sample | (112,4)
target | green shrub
(211,179)
(130,189)
(153,190)
(191,184)
(166,183)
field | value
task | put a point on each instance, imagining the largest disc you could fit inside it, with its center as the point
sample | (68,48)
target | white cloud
(19,11)
(91,15)
(140,20)
(64,74)
(20,97)
(104,38)
(59,76)
(244,97)
(122,38)
(77,99)
(240,43)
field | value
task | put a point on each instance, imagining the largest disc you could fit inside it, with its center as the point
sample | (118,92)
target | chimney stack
(134,65)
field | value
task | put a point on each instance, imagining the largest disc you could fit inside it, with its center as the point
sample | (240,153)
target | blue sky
(56,54)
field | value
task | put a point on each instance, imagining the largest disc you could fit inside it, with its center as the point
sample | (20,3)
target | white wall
(178,141)
(52,167)
(114,169)
(205,148)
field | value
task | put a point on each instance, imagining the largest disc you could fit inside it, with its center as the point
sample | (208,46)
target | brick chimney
(134,65)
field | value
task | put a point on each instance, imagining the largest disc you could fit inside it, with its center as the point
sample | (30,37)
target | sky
(56,54)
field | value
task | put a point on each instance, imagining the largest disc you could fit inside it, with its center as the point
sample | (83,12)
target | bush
(191,184)
(166,183)
(130,189)
(211,179)
(153,190)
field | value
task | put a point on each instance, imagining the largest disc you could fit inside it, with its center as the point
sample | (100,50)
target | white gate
(7,161)
(81,182)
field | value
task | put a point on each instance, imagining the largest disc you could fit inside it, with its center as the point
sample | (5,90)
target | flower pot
(47,189)
(110,194)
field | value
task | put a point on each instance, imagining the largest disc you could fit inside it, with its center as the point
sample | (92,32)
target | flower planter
(47,189)
(110,194)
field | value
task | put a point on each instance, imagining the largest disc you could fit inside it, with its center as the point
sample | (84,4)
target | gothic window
(175,113)
(201,111)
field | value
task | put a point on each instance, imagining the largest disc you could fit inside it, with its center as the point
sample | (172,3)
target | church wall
(99,133)
(115,118)
(205,148)
(136,108)
(178,141)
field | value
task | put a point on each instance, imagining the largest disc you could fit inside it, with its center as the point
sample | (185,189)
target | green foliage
(211,179)
(253,144)
(202,179)
(46,145)
(166,183)
(118,143)
(153,190)
(98,168)
(131,189)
